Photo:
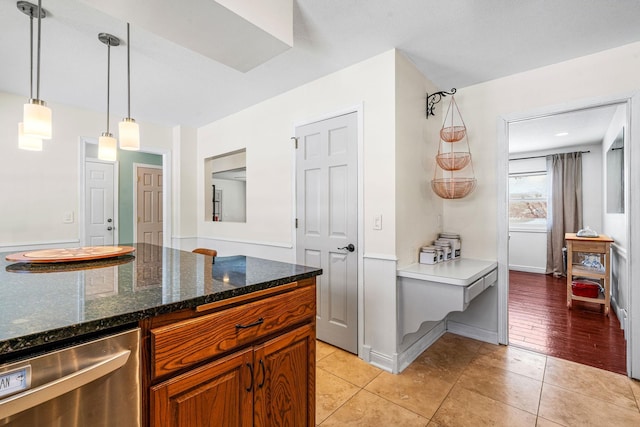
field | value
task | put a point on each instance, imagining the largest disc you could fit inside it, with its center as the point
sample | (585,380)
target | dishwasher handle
(36,396)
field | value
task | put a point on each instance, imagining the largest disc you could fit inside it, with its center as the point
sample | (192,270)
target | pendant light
(37,116)
(107,144)
(128,129)
(27,142)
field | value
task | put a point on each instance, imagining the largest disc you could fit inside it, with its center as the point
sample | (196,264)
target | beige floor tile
(447,358)
(464,408)
(368,410)
(433,424)
(349,367)
(513,359)
(504,386)
(570,408)
(541,422)
(635,388)
(323,350)
(587,380)
(412,389)
(331,393)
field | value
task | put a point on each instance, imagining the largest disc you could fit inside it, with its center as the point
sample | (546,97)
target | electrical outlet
(377,222)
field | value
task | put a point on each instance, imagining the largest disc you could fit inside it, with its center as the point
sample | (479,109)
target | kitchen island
(197,317)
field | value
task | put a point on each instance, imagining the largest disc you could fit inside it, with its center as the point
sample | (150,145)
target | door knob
(109,220)
(109,228)
(349,247)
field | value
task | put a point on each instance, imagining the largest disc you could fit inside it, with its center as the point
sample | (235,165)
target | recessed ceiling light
(562,133)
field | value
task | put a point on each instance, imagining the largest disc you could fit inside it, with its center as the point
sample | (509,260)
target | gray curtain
(564,215)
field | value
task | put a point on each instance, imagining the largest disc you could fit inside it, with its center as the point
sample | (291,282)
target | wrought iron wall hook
(434,98)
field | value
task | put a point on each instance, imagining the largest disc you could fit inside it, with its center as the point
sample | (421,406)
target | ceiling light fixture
(28,142)
(562,133)
(36,115)
(128,129)
(107,144)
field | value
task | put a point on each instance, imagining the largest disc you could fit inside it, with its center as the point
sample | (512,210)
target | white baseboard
(527,269)
(378,360)
(490,337)
(405,358)
(40,245)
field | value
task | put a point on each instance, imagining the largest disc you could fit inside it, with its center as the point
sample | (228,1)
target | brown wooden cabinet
(251,364)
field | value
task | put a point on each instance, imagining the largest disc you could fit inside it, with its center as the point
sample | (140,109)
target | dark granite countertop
(45,303)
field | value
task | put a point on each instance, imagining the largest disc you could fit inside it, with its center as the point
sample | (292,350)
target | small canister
(428,255)
(446,249)
(439,253)
(454,239)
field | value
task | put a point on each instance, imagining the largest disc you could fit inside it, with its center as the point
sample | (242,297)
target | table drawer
(185,343)
(593,247)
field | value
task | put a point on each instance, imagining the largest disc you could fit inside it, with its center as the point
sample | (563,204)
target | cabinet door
(217,394)
(285,380)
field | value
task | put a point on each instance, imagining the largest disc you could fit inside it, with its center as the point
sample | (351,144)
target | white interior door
(99,204)
(327,223)
(149,205)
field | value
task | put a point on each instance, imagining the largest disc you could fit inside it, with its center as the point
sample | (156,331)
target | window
(528,201)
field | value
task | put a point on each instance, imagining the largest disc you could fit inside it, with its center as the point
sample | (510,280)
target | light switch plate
(377,222)
(68,217)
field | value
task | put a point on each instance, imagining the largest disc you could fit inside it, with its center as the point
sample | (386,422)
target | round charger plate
(71,254)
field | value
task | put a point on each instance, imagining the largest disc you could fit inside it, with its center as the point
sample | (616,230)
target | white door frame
(632,101)
(358,109)
(166,185)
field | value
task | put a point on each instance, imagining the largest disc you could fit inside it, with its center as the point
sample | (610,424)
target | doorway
(621,259)
(148,205)
(327,222)
(100,203)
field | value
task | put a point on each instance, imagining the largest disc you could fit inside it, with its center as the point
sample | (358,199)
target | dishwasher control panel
(15,380)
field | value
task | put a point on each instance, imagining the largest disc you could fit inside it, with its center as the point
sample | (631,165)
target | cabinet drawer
(188,342)
(473,290)
(594,247)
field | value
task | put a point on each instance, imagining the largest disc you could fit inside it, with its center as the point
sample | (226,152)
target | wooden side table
(600,245)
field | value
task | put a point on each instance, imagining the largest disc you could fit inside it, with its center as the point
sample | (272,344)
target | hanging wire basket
(453,133)
(453,161)
(453,188)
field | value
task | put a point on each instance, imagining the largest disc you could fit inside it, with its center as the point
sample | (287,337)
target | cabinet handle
(250,366)
(263,374)
(260,321)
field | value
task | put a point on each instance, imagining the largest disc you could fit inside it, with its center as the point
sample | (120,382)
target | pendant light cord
(128,75)
(38,67)
(31,57)
(108,80)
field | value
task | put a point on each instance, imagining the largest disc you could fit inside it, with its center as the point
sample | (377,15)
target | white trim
(472,332)
(527,269)
(43,244)
(359,110)
(250,242)
(405,358)
(379,360)
(632,102)
(382,257)
(521,229)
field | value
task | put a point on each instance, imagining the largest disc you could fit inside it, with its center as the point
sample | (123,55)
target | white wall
(265,130)
(528,249)
(184,185)
(603,74)
(615,224)
(37,188)
(418,208)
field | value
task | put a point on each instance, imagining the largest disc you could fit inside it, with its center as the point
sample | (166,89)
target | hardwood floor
(539,320)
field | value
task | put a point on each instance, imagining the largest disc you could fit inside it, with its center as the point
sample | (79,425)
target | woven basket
(453,133)
(453,161)
(453,188)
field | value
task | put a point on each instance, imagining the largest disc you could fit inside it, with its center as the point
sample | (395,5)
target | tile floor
(462,382)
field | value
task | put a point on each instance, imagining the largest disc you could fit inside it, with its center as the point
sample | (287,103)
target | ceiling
(455,43)
(561,131)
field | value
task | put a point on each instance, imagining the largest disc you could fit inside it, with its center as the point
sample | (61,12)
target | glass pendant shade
(37,119)
(107,147)
(26,142)
(129,134)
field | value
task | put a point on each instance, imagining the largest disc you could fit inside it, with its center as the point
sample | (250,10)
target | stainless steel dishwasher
(95,384)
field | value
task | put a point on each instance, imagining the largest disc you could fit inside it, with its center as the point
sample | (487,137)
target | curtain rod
(538,157)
